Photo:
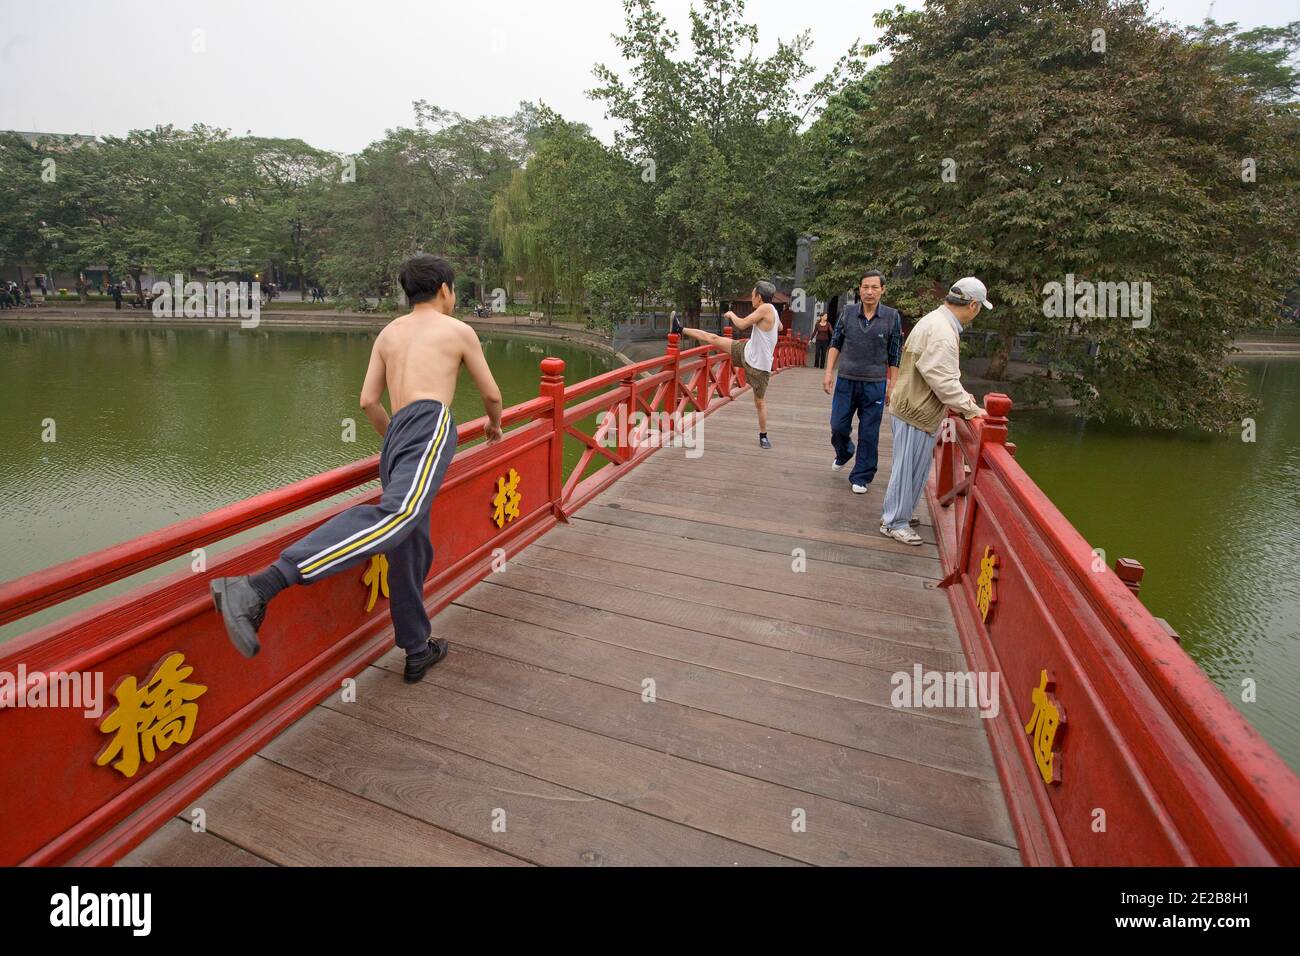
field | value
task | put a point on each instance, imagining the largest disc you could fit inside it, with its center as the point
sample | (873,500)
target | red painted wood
(1181,776)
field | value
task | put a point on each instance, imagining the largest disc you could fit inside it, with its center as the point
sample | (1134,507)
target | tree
(286,216)
(713,139)
(522,252)
(28,192)
(593,220)
(1260,58)
(1010,140)
(427,188)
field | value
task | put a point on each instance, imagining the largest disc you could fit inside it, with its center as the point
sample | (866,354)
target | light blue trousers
(913,451)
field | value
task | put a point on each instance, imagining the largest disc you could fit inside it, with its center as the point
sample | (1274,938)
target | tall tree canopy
(714,138)
(1079,138)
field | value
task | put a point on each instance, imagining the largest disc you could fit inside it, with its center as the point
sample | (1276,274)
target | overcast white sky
(337,73)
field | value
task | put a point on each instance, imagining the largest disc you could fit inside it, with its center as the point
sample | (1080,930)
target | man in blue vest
(866,347)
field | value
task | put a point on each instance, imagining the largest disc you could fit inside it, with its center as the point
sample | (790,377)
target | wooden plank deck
(772,693)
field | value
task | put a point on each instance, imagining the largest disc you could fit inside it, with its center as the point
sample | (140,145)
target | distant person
(929,383)
(40,284)
(862,362)
(417,358)
(27,293)
(117,295)
(754,354)
(822,332)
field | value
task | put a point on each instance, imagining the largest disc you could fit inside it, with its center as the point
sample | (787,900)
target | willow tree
(516,230)
(1031,142)
(592,219)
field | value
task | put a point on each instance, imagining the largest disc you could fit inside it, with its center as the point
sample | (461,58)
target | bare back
(422,355)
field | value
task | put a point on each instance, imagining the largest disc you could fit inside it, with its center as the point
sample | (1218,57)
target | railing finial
(552,368)
(995,423)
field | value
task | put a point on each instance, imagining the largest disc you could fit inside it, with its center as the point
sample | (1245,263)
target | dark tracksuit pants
(418,446)
(867,400)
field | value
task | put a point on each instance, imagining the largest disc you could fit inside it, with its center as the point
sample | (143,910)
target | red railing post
(704,387)
(553,388)
(625,427)
(944,480)
(992,431)
(670,406)
(995,423)
(1131,573)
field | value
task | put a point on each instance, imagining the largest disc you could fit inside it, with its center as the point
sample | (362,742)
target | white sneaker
(905,535)
(859,489)
(836,466)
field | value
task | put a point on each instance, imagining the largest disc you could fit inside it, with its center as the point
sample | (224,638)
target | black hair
(422,277)
(872,272)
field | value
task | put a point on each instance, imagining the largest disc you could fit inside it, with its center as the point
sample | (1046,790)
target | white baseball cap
(972,290)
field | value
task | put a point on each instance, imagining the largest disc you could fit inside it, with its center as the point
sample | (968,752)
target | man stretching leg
(417,358)
(754,354)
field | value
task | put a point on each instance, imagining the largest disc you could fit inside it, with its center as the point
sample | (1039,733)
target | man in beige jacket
(928,384)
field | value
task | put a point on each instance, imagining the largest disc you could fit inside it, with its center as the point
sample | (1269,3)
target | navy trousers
(418,446)
(867,401)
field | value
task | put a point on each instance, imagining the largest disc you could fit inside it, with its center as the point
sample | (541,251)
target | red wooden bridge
(659,656)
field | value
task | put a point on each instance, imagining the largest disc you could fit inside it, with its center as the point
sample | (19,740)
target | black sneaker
(242,609)
(763,442)
(417,664)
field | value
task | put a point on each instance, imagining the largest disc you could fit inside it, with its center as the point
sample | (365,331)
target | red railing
(1149,764)
(58,804)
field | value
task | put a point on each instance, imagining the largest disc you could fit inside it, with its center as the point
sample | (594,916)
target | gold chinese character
(505,504)
(376,577)
(151,718)
(984,596)
(1046,720)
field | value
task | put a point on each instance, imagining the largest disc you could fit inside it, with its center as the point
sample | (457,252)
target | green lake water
(1215,521)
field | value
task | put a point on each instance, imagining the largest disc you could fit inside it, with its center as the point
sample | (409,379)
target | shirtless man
(754,354)
(417,357)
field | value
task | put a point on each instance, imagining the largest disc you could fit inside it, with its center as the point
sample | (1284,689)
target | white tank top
(758,352)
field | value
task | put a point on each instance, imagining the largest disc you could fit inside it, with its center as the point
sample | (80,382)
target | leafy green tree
(1123,156)
(28,191)
(1262,58)
(285,191)
(427,188)
(713,135)
(593,220)
(522,251)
